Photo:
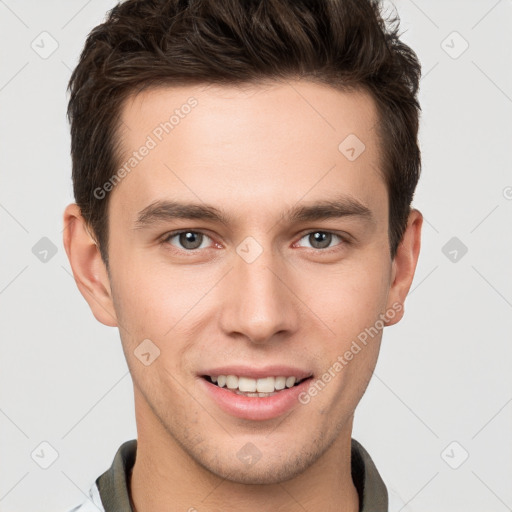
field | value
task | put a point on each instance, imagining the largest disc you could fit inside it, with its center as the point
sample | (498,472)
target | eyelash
(344,240)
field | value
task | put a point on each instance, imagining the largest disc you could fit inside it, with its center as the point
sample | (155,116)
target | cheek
(349,297)
(156,306)
(151,301)
(172,306)
(350,303)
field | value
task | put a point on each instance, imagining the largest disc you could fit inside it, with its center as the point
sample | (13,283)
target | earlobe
(88,268)
(404,266)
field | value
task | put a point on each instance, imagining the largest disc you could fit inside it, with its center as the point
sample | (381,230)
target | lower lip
(255,408)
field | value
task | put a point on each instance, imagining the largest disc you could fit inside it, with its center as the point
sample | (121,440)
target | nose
(258,301)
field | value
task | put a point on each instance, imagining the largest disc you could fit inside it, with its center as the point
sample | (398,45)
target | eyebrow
(343,206)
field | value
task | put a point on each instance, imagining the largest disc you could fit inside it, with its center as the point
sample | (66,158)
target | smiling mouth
(261,388)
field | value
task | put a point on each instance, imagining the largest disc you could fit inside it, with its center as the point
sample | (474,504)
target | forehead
(274,108)
(246,144)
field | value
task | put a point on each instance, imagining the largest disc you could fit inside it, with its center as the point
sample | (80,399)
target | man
(243,175)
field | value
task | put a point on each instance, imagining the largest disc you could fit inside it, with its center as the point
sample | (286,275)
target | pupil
(187,240)
(323,238)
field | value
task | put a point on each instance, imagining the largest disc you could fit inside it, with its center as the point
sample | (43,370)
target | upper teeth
(263,385)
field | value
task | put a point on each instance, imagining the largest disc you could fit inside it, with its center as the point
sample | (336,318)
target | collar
(113,484)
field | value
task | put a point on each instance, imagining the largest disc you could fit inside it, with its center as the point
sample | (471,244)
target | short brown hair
(346,44)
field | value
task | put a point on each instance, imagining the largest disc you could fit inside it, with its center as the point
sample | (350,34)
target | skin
(253,152)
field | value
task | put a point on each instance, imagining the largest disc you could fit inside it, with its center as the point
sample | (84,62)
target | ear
(404,266)
(88,268)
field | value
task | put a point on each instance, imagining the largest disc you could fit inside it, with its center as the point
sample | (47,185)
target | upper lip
(258,373)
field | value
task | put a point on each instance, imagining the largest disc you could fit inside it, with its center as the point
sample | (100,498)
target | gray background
(442,387)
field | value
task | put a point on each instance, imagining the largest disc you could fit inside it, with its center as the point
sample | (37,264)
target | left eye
(320,239)
(189,240)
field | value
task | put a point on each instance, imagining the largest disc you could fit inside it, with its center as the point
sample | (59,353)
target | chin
(258,476)
(264,471)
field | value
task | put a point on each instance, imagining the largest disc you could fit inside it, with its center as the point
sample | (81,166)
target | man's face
(260,289)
